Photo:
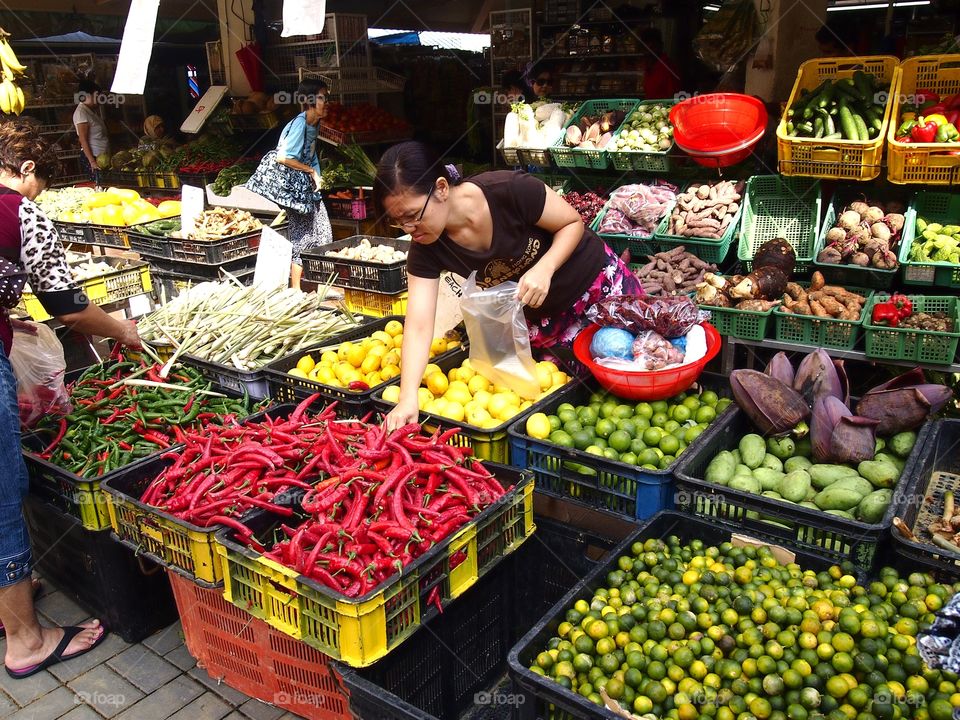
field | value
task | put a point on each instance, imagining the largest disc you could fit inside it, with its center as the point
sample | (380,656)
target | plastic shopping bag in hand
(499,337)
(37,360)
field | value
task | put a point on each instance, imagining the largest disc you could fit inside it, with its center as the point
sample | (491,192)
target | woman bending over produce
(505,226)
(30,250)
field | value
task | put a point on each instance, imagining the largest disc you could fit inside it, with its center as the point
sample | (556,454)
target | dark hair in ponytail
(410,166)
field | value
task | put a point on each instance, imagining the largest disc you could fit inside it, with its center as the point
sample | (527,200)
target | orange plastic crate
(250,656)
(928,163)
(836,159)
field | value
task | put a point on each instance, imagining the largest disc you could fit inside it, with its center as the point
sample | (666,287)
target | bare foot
(20,657)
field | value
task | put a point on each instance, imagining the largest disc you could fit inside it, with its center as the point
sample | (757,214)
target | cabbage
(612,342)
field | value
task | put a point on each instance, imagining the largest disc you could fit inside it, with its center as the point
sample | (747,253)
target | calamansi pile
(362,364)
(117,207)
(464,395)
(688,631)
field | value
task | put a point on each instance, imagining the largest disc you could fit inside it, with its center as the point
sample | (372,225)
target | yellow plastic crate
(360,631)
(183,547)
(102,290)
(836,159)
(927,163)
(375,304)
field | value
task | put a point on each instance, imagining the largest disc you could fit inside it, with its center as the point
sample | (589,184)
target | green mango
(881,474)
(753,449)
(874,506)
(721,469)
(857,483)
(795,486)
(824,475)
(772,462)
(781,448)
(837,499)
(798,462)
(769,479)
(745,483)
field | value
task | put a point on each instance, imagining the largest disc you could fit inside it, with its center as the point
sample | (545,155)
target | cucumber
(861,127)
(873,118)
(833,136)
(805,128)
(826,96)
(847,125)
(818,125)
(863,84)
(828,126)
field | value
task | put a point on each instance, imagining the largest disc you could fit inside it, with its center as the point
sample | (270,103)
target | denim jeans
(15,558)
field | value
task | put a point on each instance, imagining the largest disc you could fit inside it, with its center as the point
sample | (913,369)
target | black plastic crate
(284,387)
(70,232)
(357,274)
(203,252)
(629,490)
(201,272)
(355,208)
(922,501)
(460,662)
(544,698)
(779,522)
(131,596)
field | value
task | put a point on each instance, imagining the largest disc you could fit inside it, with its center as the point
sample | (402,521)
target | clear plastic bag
(38,363)
(654,352)
(499,337)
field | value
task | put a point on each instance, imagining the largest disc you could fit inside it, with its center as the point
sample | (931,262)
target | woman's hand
(534,285)
(404,413)
(317,182)
(128,336)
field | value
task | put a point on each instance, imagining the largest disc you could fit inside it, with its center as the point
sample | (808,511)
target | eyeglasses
(541,81)
(403,223)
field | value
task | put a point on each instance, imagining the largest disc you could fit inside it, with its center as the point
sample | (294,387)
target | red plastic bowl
(654,385)
(719,129)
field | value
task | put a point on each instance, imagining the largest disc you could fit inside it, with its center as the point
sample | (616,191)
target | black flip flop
(57,656)
(37,592)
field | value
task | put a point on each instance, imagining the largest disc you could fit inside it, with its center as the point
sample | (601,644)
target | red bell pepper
(924,131)
(903,304)
(886,313)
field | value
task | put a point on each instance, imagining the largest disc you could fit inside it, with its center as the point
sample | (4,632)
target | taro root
(574,135)
(765,283)
(830,254)
(849,220)
(773,407)
(776,253)
(818,377)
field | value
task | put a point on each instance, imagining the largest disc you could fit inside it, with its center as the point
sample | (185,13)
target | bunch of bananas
(11,95)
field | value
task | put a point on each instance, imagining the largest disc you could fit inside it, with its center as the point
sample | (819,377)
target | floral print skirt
(614,279)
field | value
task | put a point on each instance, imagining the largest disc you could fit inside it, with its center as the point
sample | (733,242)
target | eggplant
(773,407)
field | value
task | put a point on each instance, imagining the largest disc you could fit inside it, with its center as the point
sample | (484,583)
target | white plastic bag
(499,337)
(37,360)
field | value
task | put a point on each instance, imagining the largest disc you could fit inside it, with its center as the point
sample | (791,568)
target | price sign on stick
(136,48)
(273,260)
(192,201)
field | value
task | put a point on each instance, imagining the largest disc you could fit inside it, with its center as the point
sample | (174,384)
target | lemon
(356,355)
(439,345)
(437,383)
(373,378)
(453,374)
(466,372)
(436,407)
(458,392)
(378,350)
(476,383)
(329,357)
(477,415)
(325,375)
(384,337)
(390,358)
(430,369)
(508,412)
(454,411)
(371,363)
(306,364)
(424,396)
(483,398)
(388,372)
(490,423)
(499,389)
(544,377)
(297,372)
(525,404)
(391,393)
(393,328)
(559,378)
(538,426)
(497,403)
(344,350)
(398,340)
(547,365)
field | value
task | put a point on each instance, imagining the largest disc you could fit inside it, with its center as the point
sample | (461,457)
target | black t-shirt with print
(516,202)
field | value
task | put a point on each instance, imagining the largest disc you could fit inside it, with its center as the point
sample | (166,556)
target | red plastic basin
(719,129)
(654,385)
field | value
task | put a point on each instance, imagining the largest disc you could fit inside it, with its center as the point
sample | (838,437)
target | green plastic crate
(922,346)
(943,208)
(821,332)
(626,160)
(853,274)
(637,246)
(776,207)
(707,249)
(564,156)
(745,324)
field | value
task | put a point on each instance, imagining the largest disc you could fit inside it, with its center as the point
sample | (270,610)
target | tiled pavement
(152,680)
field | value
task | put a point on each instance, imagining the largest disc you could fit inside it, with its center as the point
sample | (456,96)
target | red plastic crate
(253,658)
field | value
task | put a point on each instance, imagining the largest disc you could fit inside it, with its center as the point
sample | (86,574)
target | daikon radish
(511,130)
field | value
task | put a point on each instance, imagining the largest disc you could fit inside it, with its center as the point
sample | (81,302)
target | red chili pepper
(62,430)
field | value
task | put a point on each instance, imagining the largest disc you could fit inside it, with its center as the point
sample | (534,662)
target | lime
(573,426)
(622,412)
(604,427)
(680,413)
(671,426)
(660,406)
(609,664)
(666,461)
(619,441)
(643,410)
(629,458)
(583,644)
(691,434)
(587,416)
(562,438)
(692,403)
(705,414)
(581,439)
(628,425)
(555,423)
(648,457)
(638,445)
(708,397)
(940,709)
(595,450)
(582,662)
(669,444)
(566,415)
(722,404)
(606,410)
(611,454)
(652,436)
(659,419)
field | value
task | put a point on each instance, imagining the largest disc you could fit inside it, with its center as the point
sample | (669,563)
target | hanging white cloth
(303,17)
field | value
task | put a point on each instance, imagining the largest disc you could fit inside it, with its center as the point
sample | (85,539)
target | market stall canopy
(73,38)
